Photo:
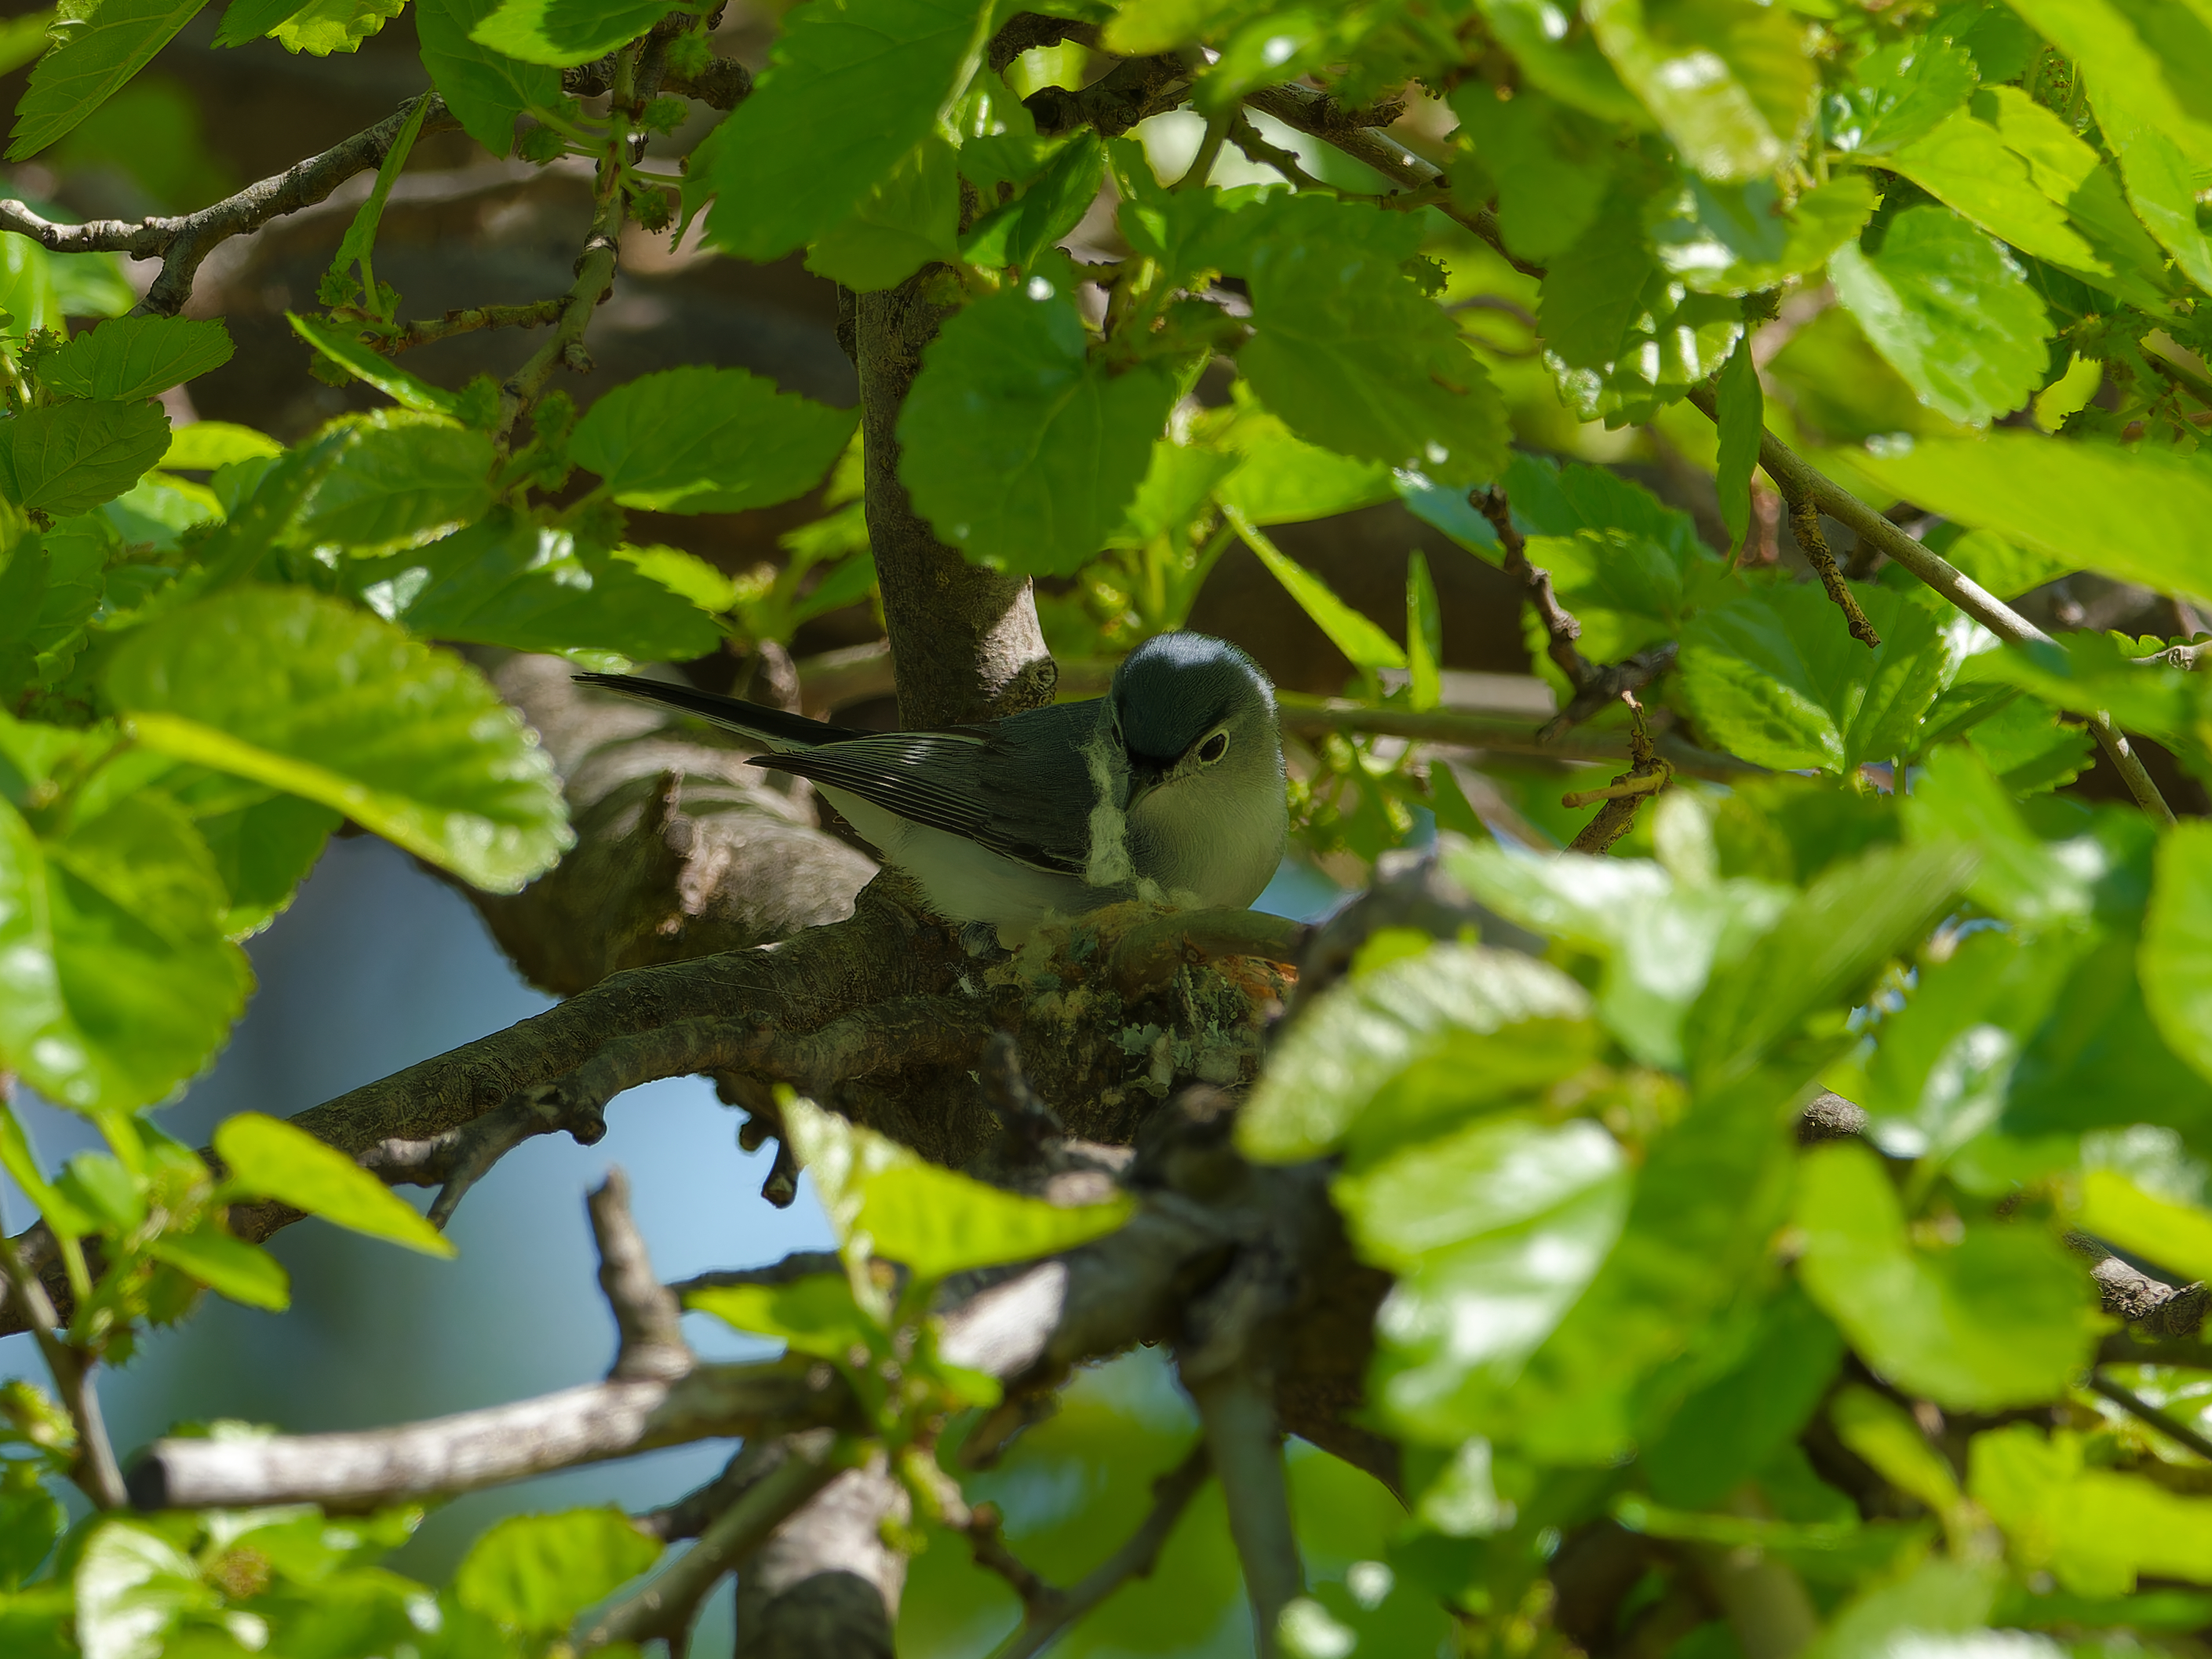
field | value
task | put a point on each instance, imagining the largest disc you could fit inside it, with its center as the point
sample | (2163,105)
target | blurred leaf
(1018,446)
(245,1273)
(1740,418)
(28,288)
(537,1572)
(782,177)
(103,51)
(1724,1431)
(268,1158)
(31,1520)
(115,983)
(1281,479)
(1736,239)
(563,31)
(134,357)
(1494,1232)
(911,217)
(2176,959)
(2177,1236)
(68,458)
(305,695)
(2095,1529)
(2007,571)
(1661,939)
(2162,186)
(1884,1436)
(2002,1318)
(2151,67)
(1361,641)
(2131,513)
(1552,164)
(1964,164)
(814,1314)
(1412,1048)
(1775,677)
(263,852)
(708,440)
(1565,63)
(1423,635)
(1950,310)
(937,1222)
(1899,93)
(1728,83)
(487,89)
(205,445)
(2019,876)
(131,1584)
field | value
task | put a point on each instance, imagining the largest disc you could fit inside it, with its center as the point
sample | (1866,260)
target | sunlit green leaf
(134,357)
(68,458)
(230,1267)
(108,45)
(561,31)
(268,1158)
(536,1572)
(708,440)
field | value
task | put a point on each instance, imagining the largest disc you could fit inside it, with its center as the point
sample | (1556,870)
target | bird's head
(1189,705)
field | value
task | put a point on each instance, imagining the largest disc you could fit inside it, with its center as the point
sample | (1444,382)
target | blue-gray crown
(1174,689)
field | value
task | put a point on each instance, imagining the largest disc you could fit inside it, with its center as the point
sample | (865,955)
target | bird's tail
(753,719)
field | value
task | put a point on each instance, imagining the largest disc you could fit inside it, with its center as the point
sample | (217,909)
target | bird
(1170,789)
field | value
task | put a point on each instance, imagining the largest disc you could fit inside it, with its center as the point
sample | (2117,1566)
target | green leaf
(268,1158)
(910,218)
(1361,641)
(507,581)
(565,31)
(31,1522)
(263,852)
(1724,1432)
(327,26)
(2176,959)
(1551,162)
(68,458)
(1566,63)
(246,21)
(2163,188)
(1951,313)
(2019,876)
(1661,939)
(399,479)
(487,89)
(537,1572)
(115,983)
(2177,1236)
(1822,951)
(814,1314)
(1899,93)
(2094,1530)
(2151,67)
(1411,1047)
(937,1222)
(1358,359)
(205,445)
(708,440)
(1966,165)
(1280,479)
(784,166)
(131,1584)
(27,288)
(1620,354)
(345,348)
(136,357)
(1020,234)
(1018,446)
(1736,239)
(2030,748)
(245,1273)
(16,1158)
(1424,636)
(2133,514)
(1729,84)
(103,51)
(1494,1232)
(304,693)
(2003,1318)
(1741,416)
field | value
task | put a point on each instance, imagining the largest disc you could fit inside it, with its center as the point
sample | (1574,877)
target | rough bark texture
(964,639)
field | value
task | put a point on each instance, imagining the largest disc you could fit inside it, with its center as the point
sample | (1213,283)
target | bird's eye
(1213,748)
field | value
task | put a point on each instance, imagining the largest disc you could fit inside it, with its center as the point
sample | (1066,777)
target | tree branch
(1561,629)
(1149,955)
(666,1606)
(183,241)
(648,1322)
(1799,481)
(1048,1610)
(473,319)
(94,1468)
(2136,1406)
(1812,541)
(1443,726)
(1246,1449)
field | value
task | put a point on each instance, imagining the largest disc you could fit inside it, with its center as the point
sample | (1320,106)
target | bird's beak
(1145,776)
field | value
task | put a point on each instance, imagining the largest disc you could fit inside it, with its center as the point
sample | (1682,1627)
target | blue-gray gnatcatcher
(1169,788)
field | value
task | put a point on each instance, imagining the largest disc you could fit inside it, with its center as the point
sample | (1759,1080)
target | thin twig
(454,1160)
(1646,776)
(646,1314)
(1444,725)
(1606,686)
(1318,114)
(2189,657)
(183,241)
(426,330)
(1812,541)
(1048,1611)
(2136,1406)
(1209,149)
(1561,629)
(1246,138)
(95,1469)
(665,1607)
(1799,480)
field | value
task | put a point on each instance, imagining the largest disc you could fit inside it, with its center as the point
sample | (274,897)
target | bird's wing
(753,719)
(1019,787)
